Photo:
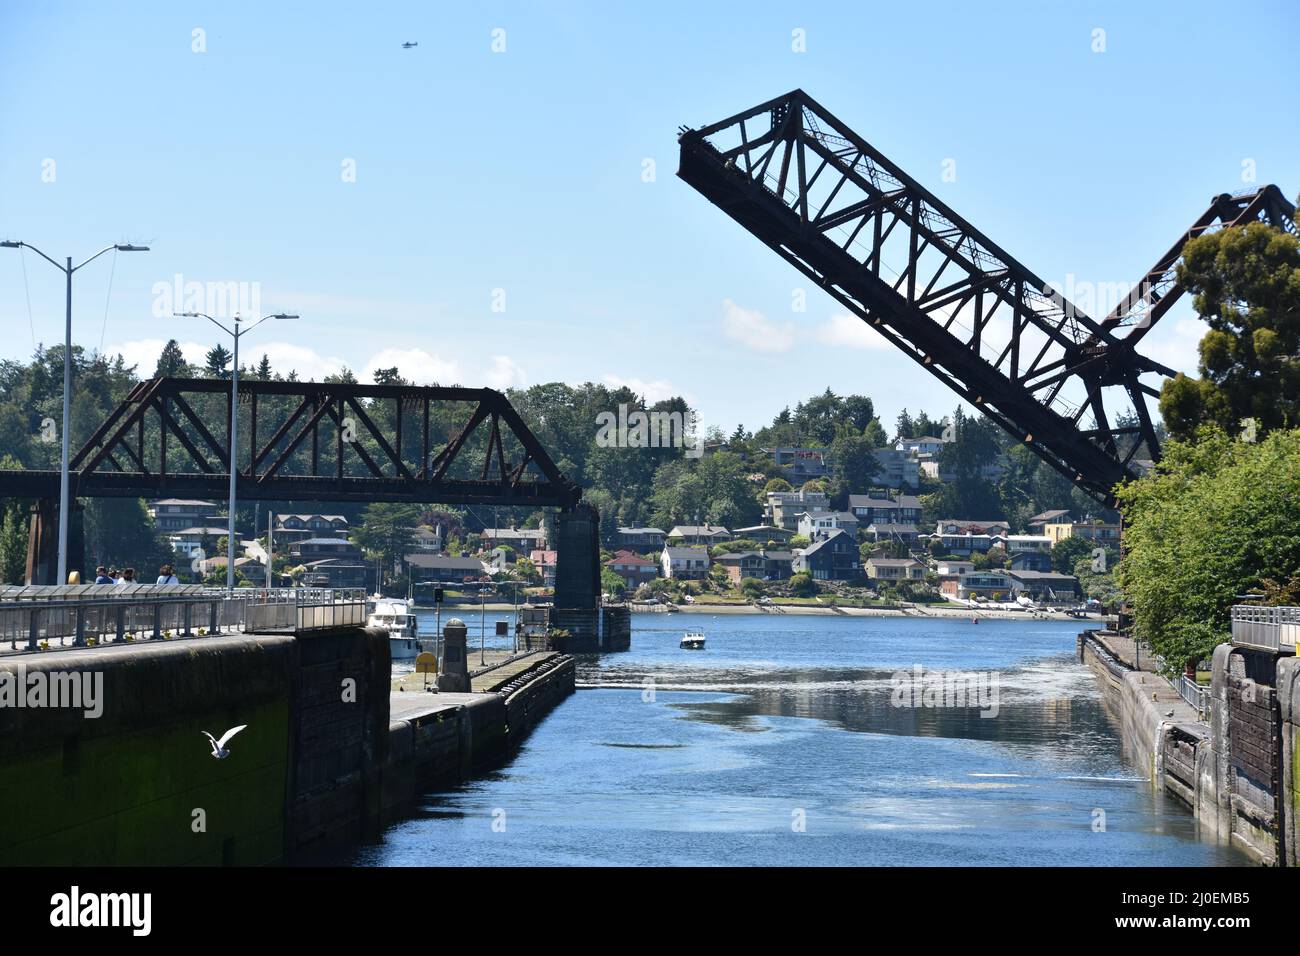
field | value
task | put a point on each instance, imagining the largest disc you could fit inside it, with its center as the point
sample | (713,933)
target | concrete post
(453,669)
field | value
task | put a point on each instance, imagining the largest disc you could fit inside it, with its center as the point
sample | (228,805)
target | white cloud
(652,391)
(753,330)
(143,353)
(849,331)
(503,372)
(417,365)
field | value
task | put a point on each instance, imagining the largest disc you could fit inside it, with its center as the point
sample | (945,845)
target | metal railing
(1275,629)
(1198,695)
(35,618)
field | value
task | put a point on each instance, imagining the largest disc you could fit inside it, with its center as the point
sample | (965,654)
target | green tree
(1246,284)
(803,585)
(1216,519)
(385,531)
(171,362)
(1069,552)
(217,361)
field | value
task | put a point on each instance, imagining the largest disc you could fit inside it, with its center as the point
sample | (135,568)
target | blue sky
(522,171)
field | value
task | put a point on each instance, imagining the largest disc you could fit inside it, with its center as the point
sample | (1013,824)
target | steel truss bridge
(946,295)
(310,441)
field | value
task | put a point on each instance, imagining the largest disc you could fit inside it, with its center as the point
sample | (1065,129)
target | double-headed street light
(67,269)
(236,333)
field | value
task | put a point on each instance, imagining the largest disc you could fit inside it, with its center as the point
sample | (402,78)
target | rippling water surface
(782,744)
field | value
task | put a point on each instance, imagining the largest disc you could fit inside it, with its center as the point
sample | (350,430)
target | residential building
(188,540)
(783,508)
(172,515)
(896,469)
(832,558)
(763,565)
(895,570)
(313,549)
(632,568)
(522,540)
(544,561)
(704,534)
(1031,561)
(1016,543)
(1038,523)
(927,445)
(1098,532)
(950,573)
(685,563)
(640,540)
(818,524)
(427,539)
(889,531)
(967,526)
(802,464)
(441,569)
(762,533)
(290,528)
(1047,586)
(875,509)
(993,585)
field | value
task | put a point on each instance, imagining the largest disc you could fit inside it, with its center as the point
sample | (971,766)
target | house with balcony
(299,527)
(172,515)
(640,540)
(894,570)
(1039,522)
(832,558)
(1100,533)
(442,569)
(1049,587)
(890,531)
(818,524)
(425,538)
(685,563)
(762,533)
(706,535)
(783,508)
(763,564)
(331,562)
(188,540)
(990,585)
(926,445)
(1019,543)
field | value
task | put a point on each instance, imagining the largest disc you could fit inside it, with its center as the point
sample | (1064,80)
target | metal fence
(45,618)
(1275,629)
(1198,695)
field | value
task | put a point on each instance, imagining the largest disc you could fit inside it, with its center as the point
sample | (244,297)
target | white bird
(219,751)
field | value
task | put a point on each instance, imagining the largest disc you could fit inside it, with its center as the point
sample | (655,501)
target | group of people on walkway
(126,576)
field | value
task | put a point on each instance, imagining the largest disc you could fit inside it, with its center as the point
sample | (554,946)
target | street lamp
(236,334)
(67,269)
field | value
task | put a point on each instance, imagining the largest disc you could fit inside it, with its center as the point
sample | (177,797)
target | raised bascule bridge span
(943,293)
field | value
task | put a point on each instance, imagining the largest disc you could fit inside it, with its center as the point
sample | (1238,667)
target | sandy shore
(997,614)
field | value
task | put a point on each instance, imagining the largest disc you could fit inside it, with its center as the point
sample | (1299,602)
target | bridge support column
(577,580)
(43,543)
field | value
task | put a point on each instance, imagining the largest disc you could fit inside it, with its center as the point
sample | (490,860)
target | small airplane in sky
(408,44)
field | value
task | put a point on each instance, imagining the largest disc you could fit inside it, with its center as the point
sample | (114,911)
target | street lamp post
(67,269)
(237,333)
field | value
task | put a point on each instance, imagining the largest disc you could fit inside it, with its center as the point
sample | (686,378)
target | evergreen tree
(217,361)
(171,362)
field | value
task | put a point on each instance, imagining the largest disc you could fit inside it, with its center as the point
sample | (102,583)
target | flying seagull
(408,44)
(219,751)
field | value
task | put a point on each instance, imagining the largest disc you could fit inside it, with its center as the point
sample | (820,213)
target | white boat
(692,641)
(394,615)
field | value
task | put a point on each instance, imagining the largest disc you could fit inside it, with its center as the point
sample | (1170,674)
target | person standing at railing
(167,575)
(101,576)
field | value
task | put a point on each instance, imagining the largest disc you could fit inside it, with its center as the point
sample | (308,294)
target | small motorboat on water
(692,641)
(395,616)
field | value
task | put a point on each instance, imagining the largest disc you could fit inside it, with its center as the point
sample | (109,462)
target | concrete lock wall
(139,786)
(132,786)
(1237,771)
(1288,693)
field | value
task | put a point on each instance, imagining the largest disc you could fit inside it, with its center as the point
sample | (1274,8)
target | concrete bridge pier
(588,627)
(43,543)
